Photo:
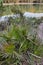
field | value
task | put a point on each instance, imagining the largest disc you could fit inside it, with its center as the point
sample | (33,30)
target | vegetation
(19,44)
(6,10)
(19,41)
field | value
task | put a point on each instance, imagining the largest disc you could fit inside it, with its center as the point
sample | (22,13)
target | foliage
(1,7)
(19,44)
(7,10)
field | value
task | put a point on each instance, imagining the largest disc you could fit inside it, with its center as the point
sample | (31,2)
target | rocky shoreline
(26,14)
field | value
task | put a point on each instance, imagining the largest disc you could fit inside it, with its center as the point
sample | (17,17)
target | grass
(19,44)
(23,8)
(19,40)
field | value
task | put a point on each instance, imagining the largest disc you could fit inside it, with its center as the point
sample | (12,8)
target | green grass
(23,8)
(19,39)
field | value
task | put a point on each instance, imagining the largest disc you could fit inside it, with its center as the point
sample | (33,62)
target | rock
(40,31)
(26,14)
(36,15)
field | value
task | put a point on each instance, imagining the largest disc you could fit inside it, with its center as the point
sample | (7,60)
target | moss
(9,49)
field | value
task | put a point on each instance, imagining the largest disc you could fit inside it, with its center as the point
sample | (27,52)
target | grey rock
(40,32)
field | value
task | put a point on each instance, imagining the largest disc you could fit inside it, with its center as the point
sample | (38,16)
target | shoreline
(26,14)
